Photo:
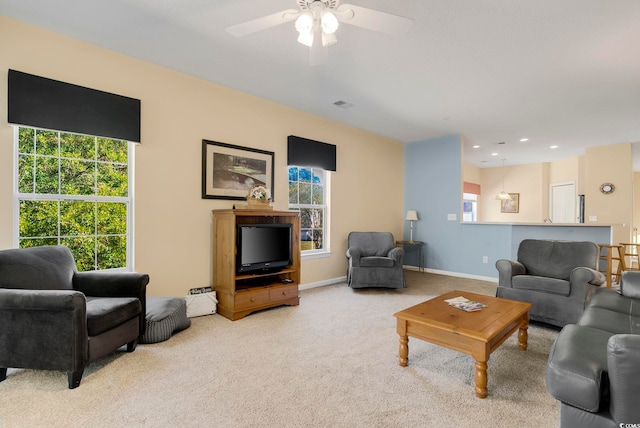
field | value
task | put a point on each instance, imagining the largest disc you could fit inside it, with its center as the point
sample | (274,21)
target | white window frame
(17,196)
(323,252)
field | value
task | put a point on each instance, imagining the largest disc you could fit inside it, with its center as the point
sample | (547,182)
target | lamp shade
(412,215)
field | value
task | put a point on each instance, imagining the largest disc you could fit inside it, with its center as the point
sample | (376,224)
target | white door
(563,203)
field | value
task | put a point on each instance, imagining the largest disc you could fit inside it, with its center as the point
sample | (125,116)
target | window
(73,190)
(308,194)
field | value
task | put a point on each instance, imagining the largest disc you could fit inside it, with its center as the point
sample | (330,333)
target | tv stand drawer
(277,294)
(251,298)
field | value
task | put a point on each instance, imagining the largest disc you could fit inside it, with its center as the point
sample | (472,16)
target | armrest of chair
(111,284)
(354,255)
(43,329)
(584,281)
(397,254)
(39,300)
(623,354)
(630,284)
(507,269)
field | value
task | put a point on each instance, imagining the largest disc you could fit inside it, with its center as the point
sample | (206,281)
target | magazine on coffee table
(465,304)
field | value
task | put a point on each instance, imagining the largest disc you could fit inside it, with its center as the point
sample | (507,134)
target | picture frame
(511,205)
(230,171)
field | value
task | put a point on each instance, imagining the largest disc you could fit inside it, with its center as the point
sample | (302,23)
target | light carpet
(330,362)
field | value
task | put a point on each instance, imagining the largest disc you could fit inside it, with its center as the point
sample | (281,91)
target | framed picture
(229,172)
(511,205)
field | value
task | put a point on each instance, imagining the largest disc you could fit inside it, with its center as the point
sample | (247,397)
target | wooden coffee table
(473,333)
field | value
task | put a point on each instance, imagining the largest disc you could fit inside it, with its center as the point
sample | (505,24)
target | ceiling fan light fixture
(306,38)
(304,23)
(329,22)
(329,39)
(503,196)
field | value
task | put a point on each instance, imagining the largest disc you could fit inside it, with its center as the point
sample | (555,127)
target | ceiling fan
(318,20)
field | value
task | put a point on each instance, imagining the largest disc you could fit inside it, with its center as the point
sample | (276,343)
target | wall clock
(607,188)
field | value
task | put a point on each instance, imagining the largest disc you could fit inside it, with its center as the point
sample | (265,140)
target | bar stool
(629,253)
(610,257)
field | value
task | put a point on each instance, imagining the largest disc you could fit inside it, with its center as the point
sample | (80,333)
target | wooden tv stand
(240,294)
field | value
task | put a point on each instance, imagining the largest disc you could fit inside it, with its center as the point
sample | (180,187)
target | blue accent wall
(433,187)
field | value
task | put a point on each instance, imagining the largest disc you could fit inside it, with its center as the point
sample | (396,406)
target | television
(263,247)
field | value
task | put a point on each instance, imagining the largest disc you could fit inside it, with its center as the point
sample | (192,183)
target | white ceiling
(559,72)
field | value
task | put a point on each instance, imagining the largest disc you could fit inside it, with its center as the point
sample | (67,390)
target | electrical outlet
(593,218)
(452,217)
(485,259)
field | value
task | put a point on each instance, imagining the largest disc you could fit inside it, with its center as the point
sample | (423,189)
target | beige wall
(610,164)
(172,222)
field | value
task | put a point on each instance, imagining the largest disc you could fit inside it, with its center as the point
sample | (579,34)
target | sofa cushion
(542,284)
(376,262)
(556,259)
(611,321)
(576,369)
(105,313)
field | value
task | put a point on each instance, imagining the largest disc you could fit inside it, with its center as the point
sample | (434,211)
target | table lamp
(412,216)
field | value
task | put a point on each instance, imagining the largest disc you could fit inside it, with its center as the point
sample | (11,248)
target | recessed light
(494,154)
(553,147)
(476,146)
(524,139)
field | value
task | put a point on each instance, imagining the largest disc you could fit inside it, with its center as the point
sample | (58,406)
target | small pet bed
(165,316)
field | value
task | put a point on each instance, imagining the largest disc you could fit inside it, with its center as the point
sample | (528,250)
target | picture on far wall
(229,171)
(511,205)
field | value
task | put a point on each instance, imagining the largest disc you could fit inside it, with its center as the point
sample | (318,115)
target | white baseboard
(456,274)
(414,268)
(322,283)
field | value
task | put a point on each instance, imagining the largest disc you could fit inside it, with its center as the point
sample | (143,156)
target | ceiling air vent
(343,104)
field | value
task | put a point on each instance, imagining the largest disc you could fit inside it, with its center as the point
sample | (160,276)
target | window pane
(26,140)
(113,150)
(304,193)
(83,250)
(112,252)
(293,192)
(38,219)
(37,242)
(46,142)
(77,146)
(77,177)
(112,180)
(318,194)
(304,174)
(46,175)
(77,218)
(112,218)
(25,173)
(293,173)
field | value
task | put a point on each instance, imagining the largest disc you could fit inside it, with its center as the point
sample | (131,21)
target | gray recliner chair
(53,317)
(557,277)
(374,261)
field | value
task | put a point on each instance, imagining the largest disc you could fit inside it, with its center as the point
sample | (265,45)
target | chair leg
(75,378)
(131,346)
(3,373)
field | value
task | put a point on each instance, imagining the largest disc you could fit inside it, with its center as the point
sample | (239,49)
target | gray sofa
(374,261)
(594,365)
(53,317)
(557,277)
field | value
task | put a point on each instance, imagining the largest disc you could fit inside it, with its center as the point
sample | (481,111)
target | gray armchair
(55,318)
(374,261)
(557,277)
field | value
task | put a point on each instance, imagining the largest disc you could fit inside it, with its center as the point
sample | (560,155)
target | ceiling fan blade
(263,23)
(374,20)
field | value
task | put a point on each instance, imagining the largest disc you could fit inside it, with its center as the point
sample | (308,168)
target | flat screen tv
(263,247)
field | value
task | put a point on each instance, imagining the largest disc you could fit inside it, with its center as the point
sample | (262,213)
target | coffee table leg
(404,351)
(481,379)
(523,335)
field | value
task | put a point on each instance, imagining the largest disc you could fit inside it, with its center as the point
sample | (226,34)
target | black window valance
(305,152)
(45,103)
